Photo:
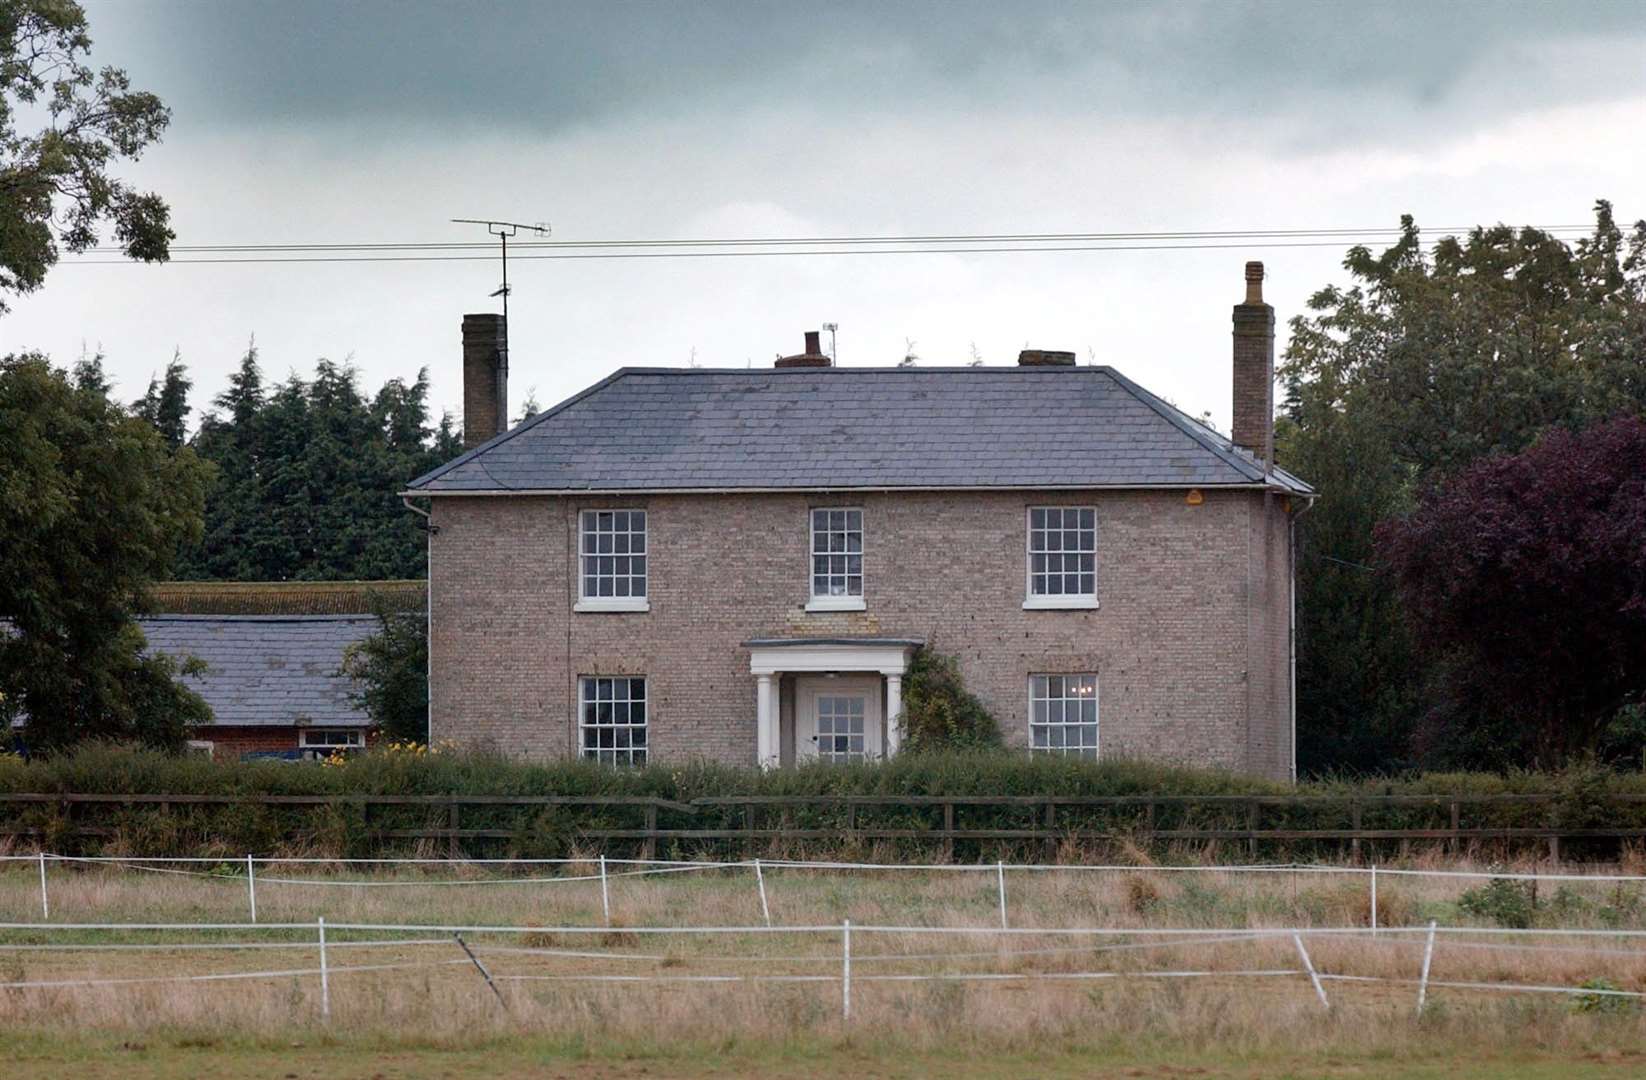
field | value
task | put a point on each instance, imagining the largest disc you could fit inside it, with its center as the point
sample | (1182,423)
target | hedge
(1582,800)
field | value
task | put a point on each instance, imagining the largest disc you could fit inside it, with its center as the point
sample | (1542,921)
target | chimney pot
(1254,283)
(1045,358)
(485,378)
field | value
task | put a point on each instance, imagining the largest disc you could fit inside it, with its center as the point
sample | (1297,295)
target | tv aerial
(503,230)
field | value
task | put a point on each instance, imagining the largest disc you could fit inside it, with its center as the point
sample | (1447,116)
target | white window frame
(585,602)
(830,602)
(588,707)
(1079,749)
(1033,601)
(356,739)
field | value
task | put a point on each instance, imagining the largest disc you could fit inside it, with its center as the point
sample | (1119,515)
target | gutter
(1292,624)
(620,492)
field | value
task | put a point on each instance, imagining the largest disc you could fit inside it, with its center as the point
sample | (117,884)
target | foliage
(307,476)
(1611,998)
(55,186)
(1551,542)
(1424,364)
(391,668)
(92,509)
(1505,901)
(939,713)
(552,831)
(166,403)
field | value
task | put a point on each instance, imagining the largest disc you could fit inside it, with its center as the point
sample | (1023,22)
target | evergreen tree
(309,475)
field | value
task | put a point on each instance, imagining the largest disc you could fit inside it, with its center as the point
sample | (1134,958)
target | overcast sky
(320,122)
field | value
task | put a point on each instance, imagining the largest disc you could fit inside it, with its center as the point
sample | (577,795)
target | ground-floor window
(331,739)
(614,719)
(1063,714)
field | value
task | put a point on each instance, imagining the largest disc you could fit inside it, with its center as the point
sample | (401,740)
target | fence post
(45,901)
(1354,823)
(948,832)
(605,893)
(846,970)
(760,883)
(1428,955)
(648,850)
(1308,965)
(487,975)
(325,977)
(251,887)
(1374,898)
(452,819)
(1000,869)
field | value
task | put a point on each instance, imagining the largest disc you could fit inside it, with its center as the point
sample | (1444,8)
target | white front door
(838,719)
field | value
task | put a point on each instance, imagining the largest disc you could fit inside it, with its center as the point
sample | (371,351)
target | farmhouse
(739,564)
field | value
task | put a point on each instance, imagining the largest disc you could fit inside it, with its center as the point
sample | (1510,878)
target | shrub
(1604,1002)
(1502,900)
(939,713)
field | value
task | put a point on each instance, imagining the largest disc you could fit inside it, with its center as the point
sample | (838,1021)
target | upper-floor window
(612,558)
(1063,714)
(613,719)
(837,559)
(1062,569)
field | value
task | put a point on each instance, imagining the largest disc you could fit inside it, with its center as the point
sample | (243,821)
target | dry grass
(444,1001)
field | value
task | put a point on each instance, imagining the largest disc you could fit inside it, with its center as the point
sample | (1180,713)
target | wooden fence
(751,821)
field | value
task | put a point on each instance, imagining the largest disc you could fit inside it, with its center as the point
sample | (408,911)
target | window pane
(613,544)
(1063,714)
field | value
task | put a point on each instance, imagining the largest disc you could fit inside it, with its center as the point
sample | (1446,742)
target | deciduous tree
(56,187)
(1425,363)
(1525,576)
(93,507)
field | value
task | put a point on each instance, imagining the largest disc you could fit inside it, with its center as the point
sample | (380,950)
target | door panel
(838,720)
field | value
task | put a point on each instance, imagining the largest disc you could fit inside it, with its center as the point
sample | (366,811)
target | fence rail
(1050,819)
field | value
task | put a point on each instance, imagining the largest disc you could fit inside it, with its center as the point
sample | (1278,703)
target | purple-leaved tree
(1525,575)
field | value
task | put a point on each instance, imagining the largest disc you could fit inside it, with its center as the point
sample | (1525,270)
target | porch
(836,699)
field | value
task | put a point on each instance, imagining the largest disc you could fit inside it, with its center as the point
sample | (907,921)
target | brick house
(272,653)
(738,564)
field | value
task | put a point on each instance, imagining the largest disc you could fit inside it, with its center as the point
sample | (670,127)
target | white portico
(832,699)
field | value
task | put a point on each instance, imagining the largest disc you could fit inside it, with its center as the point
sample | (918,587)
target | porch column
(894,713)
(767,744)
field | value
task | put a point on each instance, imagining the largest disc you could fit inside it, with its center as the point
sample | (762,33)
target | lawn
(175,1056)
(957,1005)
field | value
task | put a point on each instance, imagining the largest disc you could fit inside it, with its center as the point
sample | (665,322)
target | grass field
(1052,1006)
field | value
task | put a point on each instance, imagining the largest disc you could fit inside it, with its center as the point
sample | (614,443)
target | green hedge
(340,829)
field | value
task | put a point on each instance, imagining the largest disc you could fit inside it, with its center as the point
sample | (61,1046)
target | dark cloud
(545,67)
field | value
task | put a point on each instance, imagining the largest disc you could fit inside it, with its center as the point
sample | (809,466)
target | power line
(340,257)
(1036,239)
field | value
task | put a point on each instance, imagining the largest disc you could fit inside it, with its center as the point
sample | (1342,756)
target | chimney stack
(814,356)
(1045,358)
(485,378)
(1254,370)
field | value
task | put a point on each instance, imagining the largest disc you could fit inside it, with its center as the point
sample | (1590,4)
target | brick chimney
(1044,358)
(814,356)
(1254,370)
(485,378)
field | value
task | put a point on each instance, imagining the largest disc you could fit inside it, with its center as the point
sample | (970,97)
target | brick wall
(229,742)
(1190,641)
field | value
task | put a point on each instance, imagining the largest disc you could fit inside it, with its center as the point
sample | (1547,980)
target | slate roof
(267,670)
(674,429)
